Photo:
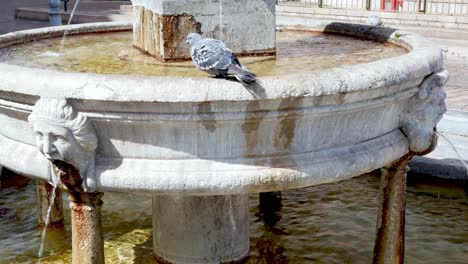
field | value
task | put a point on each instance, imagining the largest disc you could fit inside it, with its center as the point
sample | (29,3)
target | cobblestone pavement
(457,87)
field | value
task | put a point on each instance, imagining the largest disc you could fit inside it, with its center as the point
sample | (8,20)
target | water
(455,150)
(44,230)
(460,158)
(65,33)
(112,53)
(332,223)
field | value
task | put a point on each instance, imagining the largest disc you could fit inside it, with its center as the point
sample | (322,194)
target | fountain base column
(201,229)
(390,239)
(87,239)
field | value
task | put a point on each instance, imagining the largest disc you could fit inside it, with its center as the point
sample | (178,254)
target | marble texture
(201,229)
(246,26)
(63,134)
(424,110)
(204,136)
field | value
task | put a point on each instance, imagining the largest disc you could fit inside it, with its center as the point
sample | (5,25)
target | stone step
(42,14)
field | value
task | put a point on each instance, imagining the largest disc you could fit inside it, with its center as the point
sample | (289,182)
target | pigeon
(212,56)
(374,21)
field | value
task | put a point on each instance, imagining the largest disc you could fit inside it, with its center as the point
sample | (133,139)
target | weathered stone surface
(424,111)
(64,135)
(163,36)
(203,136)
(210,136)
(161,27)
(201,229)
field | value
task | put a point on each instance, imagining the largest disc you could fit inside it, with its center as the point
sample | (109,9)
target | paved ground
(8,22)
(457,88)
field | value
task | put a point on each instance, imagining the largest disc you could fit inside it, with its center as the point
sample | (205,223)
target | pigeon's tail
(242,75)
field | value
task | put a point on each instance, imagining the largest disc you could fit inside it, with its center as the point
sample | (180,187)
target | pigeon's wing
(235,61)
(210,54)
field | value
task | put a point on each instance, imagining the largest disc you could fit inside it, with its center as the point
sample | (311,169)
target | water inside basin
(112,53)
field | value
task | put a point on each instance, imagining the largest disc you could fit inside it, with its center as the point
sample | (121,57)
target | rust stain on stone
(251,125)
(206,108)
(163,36)
(340,98)
(284,133)
(174,30)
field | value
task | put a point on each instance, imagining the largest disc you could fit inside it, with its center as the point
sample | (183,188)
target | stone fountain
(201,145)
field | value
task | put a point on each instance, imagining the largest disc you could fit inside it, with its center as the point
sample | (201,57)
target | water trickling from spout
(49,210)
(231,216)
(459,156)
(65,33)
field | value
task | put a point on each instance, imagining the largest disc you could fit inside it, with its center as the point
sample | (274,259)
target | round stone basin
(191,134)
(113,53)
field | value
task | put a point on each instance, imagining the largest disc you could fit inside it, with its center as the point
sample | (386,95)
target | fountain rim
(423,58)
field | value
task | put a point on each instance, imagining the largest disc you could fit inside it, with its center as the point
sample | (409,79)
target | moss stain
(284,133)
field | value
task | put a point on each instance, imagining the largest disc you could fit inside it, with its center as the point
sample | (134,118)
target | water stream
(460,158)
(65,33)
(49,210)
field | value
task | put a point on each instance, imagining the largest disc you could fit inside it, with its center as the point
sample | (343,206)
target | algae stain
(205,108)
(284,133)
(251,125)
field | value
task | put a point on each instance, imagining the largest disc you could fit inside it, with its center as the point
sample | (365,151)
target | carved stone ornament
(424,111)
(62,134)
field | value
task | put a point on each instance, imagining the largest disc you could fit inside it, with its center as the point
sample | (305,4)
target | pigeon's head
(192,38)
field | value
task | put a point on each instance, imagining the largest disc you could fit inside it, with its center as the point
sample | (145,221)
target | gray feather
(213,57)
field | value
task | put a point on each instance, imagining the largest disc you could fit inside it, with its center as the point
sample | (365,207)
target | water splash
(460,158)
(49,210)
(48,54)
(65,33)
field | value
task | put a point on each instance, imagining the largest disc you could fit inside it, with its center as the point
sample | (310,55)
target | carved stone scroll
(62,134)
(424,111)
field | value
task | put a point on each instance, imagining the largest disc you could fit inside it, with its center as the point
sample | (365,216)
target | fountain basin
(205,136)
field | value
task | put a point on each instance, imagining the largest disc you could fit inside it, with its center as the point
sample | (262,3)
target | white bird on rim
(212,56)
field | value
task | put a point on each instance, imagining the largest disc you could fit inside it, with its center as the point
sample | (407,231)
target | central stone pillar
(160,27)
(201,229)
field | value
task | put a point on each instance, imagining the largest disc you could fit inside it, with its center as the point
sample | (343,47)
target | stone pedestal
(87,239)
(201,229)
(390,239)
(160,27)
(44,193)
